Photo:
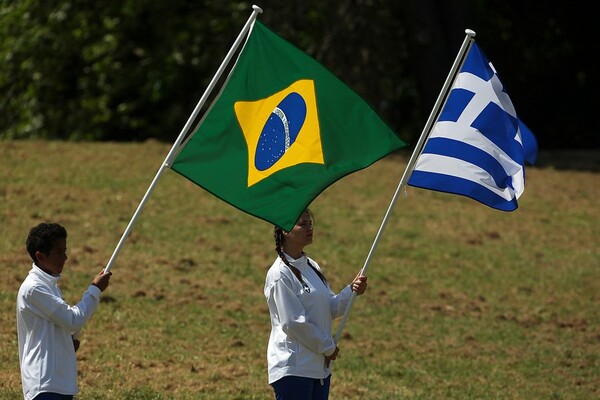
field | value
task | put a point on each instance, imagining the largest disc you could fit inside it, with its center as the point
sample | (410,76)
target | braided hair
(278,236)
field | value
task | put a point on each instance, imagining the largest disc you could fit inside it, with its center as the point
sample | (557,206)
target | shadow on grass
(576,160)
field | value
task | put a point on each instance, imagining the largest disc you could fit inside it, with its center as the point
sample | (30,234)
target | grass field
(464,302)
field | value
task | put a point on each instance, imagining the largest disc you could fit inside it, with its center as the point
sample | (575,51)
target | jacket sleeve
(339,302)
(71,318)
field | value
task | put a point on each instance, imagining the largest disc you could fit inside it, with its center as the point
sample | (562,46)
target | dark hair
(278,236)
(42,237)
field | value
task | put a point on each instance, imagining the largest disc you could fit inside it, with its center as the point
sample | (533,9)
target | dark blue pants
(53,396)
(300,388)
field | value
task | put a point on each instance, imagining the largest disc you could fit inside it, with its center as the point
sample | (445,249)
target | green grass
(464,302)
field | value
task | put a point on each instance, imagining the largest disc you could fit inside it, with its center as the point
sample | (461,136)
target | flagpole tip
(470,32)
(257,8)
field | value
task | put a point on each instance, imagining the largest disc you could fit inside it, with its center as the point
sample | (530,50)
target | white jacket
(301,320)
(45,323)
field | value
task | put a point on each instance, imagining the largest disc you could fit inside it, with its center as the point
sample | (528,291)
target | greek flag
(478,146)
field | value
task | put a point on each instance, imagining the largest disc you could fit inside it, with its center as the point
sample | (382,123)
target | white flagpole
(172,153)
(413,159)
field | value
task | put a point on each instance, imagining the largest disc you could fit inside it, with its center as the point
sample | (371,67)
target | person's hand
(359,285)
(333,356)
(101,280)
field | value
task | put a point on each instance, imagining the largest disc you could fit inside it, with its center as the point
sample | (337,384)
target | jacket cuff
(329,351)
(94,291)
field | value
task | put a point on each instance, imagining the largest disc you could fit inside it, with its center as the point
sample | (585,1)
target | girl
(302,307)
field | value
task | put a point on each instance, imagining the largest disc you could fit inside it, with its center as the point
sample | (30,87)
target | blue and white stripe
(478,147)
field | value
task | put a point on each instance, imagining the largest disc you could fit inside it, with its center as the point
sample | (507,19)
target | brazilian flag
(280,132)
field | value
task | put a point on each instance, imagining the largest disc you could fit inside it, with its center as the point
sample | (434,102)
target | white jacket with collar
(45,325)
(301,320)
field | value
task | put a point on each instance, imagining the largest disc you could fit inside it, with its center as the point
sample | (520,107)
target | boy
(47,326)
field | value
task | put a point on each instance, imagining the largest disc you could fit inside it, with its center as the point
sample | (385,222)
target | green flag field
(464,301)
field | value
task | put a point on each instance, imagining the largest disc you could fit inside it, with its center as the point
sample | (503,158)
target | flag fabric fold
(281,130)
(478,146)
